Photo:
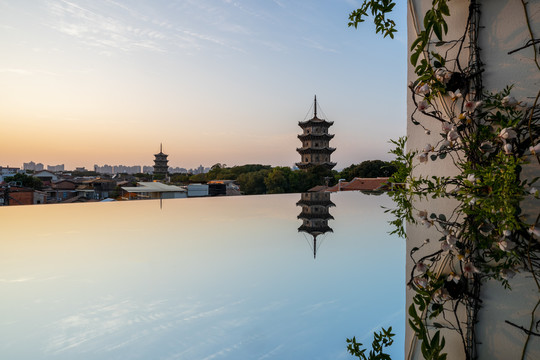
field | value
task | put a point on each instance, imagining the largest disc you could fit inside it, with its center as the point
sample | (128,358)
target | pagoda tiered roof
(315,121)
(315,136)
(314,150)
(315,230)
(307,165)
(311,216)
(305,202)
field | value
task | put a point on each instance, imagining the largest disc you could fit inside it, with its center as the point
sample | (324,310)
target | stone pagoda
(315,215)
(315,139)
(161,166)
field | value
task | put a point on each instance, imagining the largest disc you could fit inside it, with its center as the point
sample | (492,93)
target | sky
(89,82)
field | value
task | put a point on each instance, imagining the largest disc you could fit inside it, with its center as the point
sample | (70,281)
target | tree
(26,181)
(368,169)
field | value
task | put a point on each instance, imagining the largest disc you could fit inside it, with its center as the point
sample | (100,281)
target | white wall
(504,30)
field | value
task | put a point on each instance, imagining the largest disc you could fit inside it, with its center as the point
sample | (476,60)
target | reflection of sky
(215,278)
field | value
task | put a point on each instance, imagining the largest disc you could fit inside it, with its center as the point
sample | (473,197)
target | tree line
(264,179)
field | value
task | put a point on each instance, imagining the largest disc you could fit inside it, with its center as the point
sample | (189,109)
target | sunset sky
(87,82)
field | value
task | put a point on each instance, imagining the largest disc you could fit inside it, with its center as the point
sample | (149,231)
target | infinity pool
(208,278)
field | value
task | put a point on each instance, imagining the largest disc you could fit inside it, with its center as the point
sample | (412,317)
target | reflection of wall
(315,215)
(503,29)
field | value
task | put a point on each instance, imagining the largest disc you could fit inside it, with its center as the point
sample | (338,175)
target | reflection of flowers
(509,101)
(535,149)
(421,282)
(469,268)
(506,245)
(507,274)
(507,134)
(421,267)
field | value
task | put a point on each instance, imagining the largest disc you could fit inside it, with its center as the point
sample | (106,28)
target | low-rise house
(153,190)
(356,184)
(46,176)
(16,195)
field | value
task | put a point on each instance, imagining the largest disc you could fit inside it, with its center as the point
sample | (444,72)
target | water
(211,278)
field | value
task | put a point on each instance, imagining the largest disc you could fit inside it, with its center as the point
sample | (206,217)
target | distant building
(153,190)
(55,168)
(160,162)
(315,139)
(32,166)
(360,184)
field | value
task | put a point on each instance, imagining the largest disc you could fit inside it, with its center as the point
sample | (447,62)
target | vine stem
(530,32)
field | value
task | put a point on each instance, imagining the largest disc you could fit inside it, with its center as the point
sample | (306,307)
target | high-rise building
(160,162)
(315,139)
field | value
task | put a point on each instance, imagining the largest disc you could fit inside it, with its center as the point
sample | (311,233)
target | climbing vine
(488,137)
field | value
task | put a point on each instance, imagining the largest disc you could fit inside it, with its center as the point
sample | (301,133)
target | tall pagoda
(315,139)
(315,215)
(161,166)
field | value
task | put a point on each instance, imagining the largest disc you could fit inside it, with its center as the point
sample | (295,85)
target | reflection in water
(210,278)
(315,215)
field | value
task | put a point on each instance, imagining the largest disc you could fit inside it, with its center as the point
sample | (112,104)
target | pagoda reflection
(315,215)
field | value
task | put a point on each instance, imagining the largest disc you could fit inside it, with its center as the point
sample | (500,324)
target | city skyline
(88,82)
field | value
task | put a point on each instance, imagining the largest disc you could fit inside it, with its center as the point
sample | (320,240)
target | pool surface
(207,278)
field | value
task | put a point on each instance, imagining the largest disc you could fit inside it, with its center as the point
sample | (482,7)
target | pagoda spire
(315,107)
(160,148)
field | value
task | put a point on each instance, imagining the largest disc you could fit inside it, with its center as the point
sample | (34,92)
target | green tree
(277,180)
(26,181)
(368,169)
(253,182)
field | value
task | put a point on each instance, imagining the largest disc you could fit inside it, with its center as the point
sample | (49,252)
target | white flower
(446,127)
(441,74)
(428,148)
(534,231)
(423,105)
(452,135)
(508,133)
(421,267)
(507,148)
(423,157)
(533,191)
(421,282)
(455,95)
(479,104)
(427,223)
(470,106)
(453,277)
(445,246)
(509,101)
(507,273)
(487,147)
(506,245)
(507,233)
(445,143)
(423,90)
(451,240)
(535,149)
(471,178)
(469,268)
(440,296)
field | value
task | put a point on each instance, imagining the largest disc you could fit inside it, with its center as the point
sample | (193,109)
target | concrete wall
(504,29)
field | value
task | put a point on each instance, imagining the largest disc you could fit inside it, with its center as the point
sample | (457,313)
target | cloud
(104,27)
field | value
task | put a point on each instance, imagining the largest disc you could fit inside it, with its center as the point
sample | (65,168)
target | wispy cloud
(101,28)
(316,45)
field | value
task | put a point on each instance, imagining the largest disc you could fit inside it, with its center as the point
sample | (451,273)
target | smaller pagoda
(161,166)
(315,216)
(315,150)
